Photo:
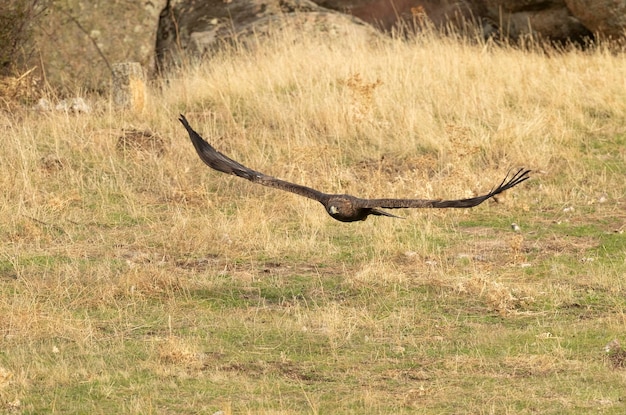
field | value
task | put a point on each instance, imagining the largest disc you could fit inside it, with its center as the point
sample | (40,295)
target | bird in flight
(342,207)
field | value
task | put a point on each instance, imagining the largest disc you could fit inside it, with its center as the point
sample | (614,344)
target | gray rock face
(79,41)
(200,27)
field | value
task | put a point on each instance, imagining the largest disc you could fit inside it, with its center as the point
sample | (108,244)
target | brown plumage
(344,208)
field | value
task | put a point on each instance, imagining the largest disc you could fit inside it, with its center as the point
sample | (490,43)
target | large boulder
(550,20)
(513,19)
(390,14)
(605,17)
(199,28)
(77,42)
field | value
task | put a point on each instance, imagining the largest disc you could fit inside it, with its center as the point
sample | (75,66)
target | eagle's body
(346,208)
(342,207)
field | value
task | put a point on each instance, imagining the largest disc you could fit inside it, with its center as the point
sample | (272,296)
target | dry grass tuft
(139,142)
(19,90)
(498,297)
(361,97)
(175,351)
(5,377)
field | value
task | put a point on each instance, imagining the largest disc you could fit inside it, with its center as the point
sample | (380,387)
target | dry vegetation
(135,280)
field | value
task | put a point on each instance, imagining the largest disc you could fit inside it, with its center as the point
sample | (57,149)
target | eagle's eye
(333,210)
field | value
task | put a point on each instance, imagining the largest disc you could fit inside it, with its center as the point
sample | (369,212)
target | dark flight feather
(220,162)
(345,208)
(516,179)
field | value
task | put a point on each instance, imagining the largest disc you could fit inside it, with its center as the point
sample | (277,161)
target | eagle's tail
(378,212)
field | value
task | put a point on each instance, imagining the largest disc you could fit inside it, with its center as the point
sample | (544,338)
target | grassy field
(137,280)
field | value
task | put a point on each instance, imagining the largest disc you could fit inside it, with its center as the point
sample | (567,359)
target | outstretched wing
(220,162)
(506,184)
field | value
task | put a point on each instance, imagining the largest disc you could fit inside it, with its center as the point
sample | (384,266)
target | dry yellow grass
(139,281)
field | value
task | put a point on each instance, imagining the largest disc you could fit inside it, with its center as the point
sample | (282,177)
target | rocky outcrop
(542,20)
(201,27)
(512,19)
(77,42)
(390,14)
(560,20)
(605,17)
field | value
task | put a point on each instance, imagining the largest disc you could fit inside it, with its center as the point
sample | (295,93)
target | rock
(77,41)
(387,15)
(605,17)
(554,24)
(75,105)
(199,28)
(550,19)
(43,105)
(129,87)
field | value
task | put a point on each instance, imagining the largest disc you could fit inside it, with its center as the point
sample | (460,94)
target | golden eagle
(344,208)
